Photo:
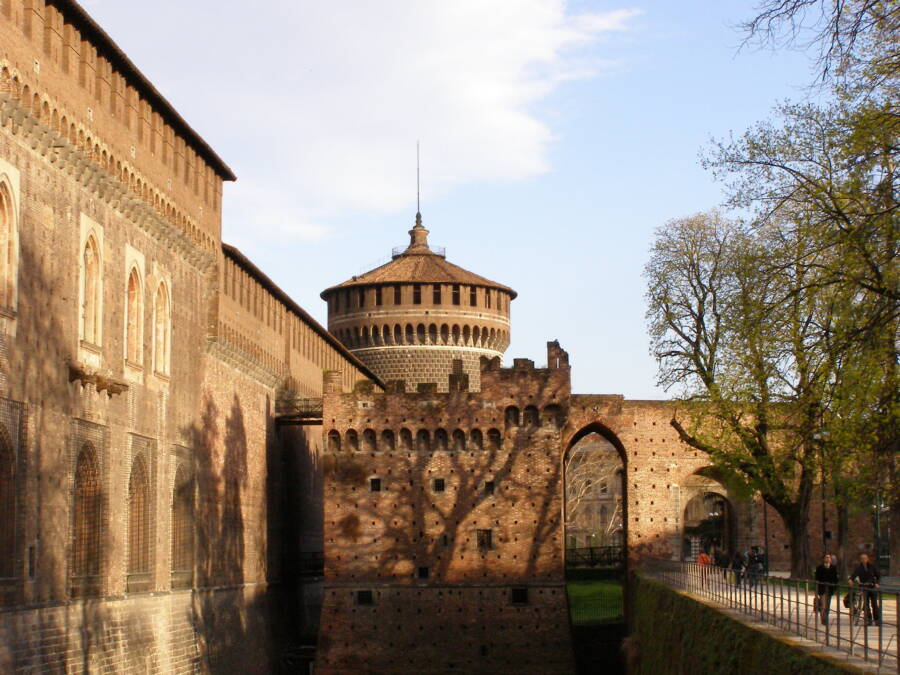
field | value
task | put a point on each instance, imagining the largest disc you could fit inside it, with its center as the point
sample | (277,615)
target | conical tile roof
(419,264)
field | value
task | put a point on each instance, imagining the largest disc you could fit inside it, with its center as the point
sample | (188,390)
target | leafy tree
(741,322)
(837,167)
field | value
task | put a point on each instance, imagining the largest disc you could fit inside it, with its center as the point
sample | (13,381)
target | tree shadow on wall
(424,526)
(514,491)
(226,621)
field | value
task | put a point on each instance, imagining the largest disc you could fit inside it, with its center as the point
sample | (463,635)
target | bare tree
(594,491)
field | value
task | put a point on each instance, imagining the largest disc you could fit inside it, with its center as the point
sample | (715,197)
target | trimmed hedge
(678,635)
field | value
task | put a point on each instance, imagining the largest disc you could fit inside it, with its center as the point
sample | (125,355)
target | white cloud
(324,101)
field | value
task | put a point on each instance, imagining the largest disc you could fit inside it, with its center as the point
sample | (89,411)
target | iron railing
(861,621)
(303,408)
(595,556)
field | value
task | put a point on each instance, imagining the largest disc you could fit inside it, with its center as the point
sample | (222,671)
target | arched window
(138,526)
(423,440)
(512,416)
(351,438)
(440,439)
(459,440)
(406,440)
(162,330)
(182,529)
(7,247)
(7,509)
(91,289)
(477,439)
(494,439)
(134,318)
(387,440)
(370,441)
(532,416)
(86,523)
(553,415)
(334,440)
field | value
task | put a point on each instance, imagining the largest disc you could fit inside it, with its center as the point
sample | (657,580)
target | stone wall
(673,633)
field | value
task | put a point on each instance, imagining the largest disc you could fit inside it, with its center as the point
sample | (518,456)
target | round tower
(413,317)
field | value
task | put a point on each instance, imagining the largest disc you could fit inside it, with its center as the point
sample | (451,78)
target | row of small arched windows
(405,441)
(530,416)
(464,336)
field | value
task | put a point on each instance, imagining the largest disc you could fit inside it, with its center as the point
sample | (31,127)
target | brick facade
(162,354)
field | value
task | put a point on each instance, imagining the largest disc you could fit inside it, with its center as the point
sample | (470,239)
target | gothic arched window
(7,247)
(162,330)
(139,519)
(91,289)
(182,529)
(134,318)
(86,521)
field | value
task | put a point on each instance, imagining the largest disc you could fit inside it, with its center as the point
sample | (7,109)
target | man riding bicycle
(866,576)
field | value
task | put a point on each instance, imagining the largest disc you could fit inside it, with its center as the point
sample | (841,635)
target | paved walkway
(788,606)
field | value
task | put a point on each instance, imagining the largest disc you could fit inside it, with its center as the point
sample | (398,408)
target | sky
(555,138)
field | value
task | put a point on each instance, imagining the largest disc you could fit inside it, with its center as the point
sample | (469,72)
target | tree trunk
(797,527)
(843,531)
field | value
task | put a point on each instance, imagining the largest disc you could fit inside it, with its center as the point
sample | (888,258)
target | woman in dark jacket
(826,582)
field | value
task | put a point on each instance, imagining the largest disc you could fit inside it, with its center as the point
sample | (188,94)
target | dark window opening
(473,296)
(397,297)
(519,596)
(361,297)
(364,598)
(487,298)
(374,485)
(439,485)
(417,294)
(378,296)
(489,487)
(485,540)
(436,294)
(455,294)
(422,573)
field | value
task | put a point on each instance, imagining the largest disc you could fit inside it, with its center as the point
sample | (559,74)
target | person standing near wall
(826,582)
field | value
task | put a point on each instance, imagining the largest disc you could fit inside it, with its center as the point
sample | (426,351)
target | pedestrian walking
(738,565)
(826,583)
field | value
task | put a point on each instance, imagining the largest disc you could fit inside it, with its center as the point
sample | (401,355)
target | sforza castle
(196,476)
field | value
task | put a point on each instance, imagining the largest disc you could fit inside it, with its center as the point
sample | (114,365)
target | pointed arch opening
(8,247)
(139,507)
(162,330)
(182,529)
(87,507)
(91,290)
(134,318)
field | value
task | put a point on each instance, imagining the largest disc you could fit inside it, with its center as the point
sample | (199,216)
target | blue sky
(555,138)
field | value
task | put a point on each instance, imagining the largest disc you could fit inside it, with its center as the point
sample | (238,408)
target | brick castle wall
(460,540)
